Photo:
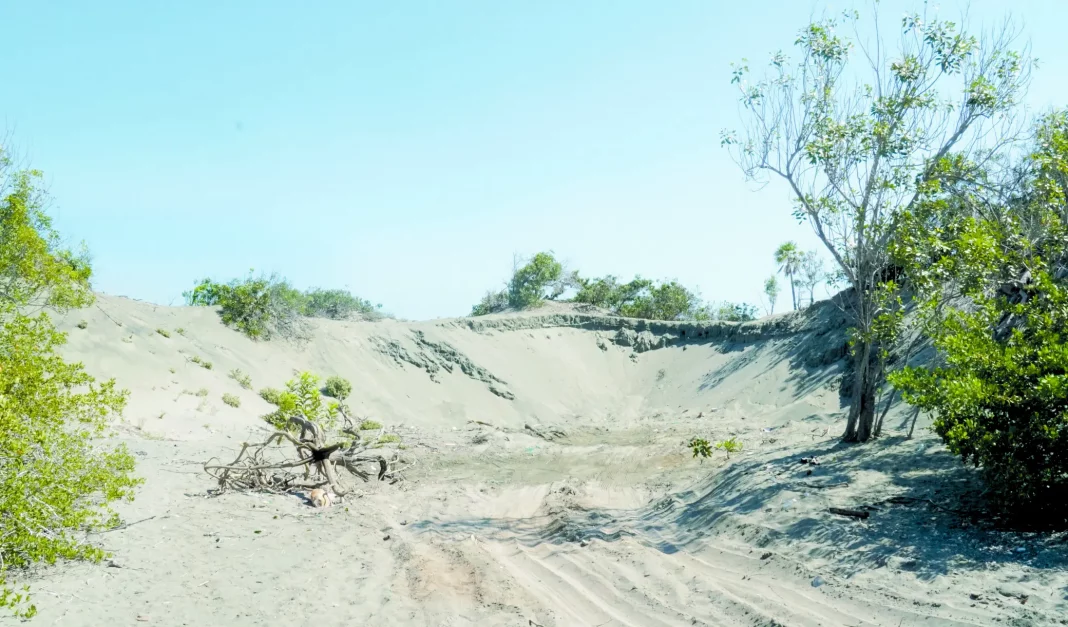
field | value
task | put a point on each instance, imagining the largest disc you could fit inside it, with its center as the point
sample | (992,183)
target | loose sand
(612,523)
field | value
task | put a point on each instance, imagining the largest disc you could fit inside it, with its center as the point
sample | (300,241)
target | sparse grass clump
(389,438)
(337,387)
(203,392)
(180,331)
(232,400)
(370,425)
(242,379)
(164,332)
(83,324)
(203,363)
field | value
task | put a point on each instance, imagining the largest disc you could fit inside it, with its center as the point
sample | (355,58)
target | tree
(533,281)
(642,298)
(57,481)
(261,307)
(789,258)
(812,274)
(771,291)
(735,312)
(934,110)
(994,285)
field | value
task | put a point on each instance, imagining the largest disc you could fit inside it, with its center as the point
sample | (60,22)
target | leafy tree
(771,291)
(642,298)
(812,274)
(789,257)
(856,156)
(56,480)
(994,288)
(535,281)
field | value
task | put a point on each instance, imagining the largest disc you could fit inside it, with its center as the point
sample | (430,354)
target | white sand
(614,524)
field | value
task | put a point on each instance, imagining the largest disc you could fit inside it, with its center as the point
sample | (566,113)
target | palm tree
(789,257)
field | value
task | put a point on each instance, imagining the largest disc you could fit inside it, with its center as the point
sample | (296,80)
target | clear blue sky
(405,150)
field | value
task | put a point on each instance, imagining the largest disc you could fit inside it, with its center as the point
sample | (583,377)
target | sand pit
(551,485)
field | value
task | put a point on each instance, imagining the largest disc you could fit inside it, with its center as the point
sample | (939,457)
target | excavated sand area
(551,484)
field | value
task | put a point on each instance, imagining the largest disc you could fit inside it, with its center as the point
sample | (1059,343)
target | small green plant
(203,363)
(370,425)
(83,324)
(660,374)
(388,438)
(302,396)
(232,400)
(180,331)
(702,448)
(337,388)
(272,395)
(242,379)
(173,370)
(164,332)
(202,392)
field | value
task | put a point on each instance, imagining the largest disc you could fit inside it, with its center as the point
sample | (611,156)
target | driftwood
(853,513)
(315,464)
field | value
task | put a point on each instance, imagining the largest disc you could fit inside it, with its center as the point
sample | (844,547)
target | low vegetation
(703,448)
(231,399)
(338,388)
(164,332)
(302,396)
(266,307)
(543,278)
(241,378)
(203,363)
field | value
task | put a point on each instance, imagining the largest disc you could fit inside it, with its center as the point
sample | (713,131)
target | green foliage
(702,448)
(337,387)
(203,363)
(302,396)
(203,392)
(370,425)
(57,482)
(642,298)
(337,305)
(771,292)
(242,379)
(163,332)
(735,312)
(389,438)
(272,395)
(999,392)
(180,331)
(83,324)
(260,307)
(540,278)
(232,400)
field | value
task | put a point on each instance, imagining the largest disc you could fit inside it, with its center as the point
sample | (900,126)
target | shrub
(163,332)
(540,278)
(196,359)
(259,307)
(180,331)
(642,298)
(337,305)
(83,324)
(272,395)
(736,312)
(242,379)
(302,396)
(337,387)
(389,438)
(370,425)
(57,481)
(203,392)
(492,302)
(231,399)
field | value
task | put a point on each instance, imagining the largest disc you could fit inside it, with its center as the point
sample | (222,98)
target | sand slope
(611,523)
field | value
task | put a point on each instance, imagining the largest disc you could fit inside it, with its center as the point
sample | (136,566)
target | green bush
(83,324)
(232,400)
(540,278)
(642,298)
(735,312)
(196,359)
(259,307)
(492,302)
(302,396)
(370,425)
(272,395)
(389,438)
(337,387)
(57,480)
(163,332)
(242,379)
(338,305)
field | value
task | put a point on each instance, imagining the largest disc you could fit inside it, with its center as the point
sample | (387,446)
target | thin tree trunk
(912,427)
(793,292)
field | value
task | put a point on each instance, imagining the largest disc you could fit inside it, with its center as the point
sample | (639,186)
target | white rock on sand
(602,519)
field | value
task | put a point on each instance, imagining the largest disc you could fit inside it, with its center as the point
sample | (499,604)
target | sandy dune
(611,523)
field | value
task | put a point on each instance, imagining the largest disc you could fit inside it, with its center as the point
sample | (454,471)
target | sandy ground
(612,523)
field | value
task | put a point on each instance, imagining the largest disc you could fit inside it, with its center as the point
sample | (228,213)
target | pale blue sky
(405,150)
